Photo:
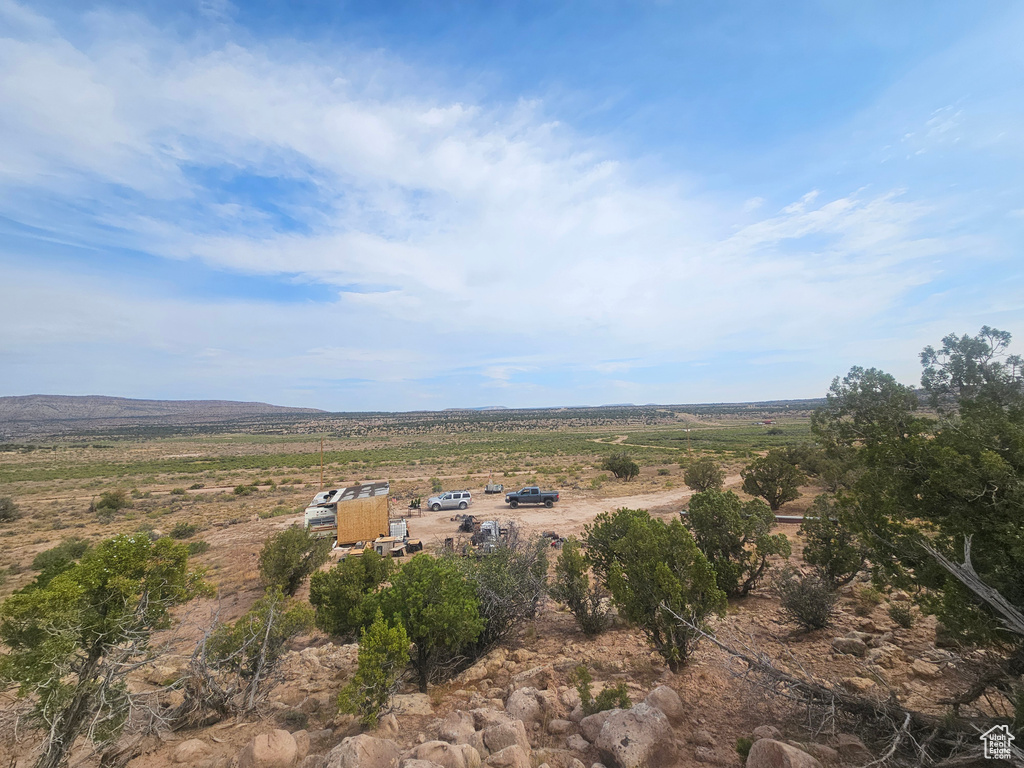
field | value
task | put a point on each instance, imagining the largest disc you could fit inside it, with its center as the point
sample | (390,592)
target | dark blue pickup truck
(531,495)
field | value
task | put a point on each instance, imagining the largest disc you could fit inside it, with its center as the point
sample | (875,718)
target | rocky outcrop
(768,753)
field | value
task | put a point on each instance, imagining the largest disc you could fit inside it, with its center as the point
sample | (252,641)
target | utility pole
(321,463)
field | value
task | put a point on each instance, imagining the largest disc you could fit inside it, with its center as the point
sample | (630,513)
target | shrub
(736,538)
(196,486)
(831,547)
(572,586)
(113,501)
(704,475)
(868,598)
(198,547)
(436,485)
(609,698)
(245,490)
(772,478)
(621,465)
(656,574)
(902,614)
(743,745)
(809,601)
(8,510)
(338,594)
(383,653)
(177,491)
(290,556)
(61,556)
(183,530)
(278,511)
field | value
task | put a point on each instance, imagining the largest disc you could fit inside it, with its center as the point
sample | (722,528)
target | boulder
(820,751)
(850,645)
(509,757)
(485,718)
(576,715)
(766,732)
(320,740)
(523,705)
(703,738)
(639,736)
(668,701)
(851,748)
(504,735)
(471,755)
(855,635)
(866,625)
(570,698)
(577,743)
(411,762)
(591,725)
(441,753)
(704,754)
(276,749)
(576,763)
(457,727)
(857,684)
(769,753)
(532,677)
(190,752)
(412,704)
(476,741)
(314,761)
(301,745)
(925,669)
(364,751)
(559,727)
(885,655)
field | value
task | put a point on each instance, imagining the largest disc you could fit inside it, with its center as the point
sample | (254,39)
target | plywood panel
(362,519)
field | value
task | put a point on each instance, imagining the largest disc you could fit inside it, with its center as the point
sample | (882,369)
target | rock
(570,698)
(276,749)
(639,736)
(575,763)
(857,684)
(944,638)
(531,677)
(821,752)
(322,739)
(485,718)
(925,669)
(886,656)
(879,640)
(866,625)
(899,596)
(668,701)
(855,635)
(702,738)
(471,755)
(504,735)
(441,753)
(457,727)
(704,754)
(591,725)
(364,751)
(766,732)
(523,705)
(851,748)
(509,757)
(577,714)
(850,645)
(388,725)
(411,762)
(301,745)
(559,727)
(412,704)
(190,752)
(476,741)
(769,753)
(577,743)
(314,761)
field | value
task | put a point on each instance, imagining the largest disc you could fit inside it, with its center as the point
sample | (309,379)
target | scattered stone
(702,738)
(850,645)
(577,743)
(857,684)
(925,669)
(276,749)
(668,701)
(559,727)
(769,753)
(504,735)
(457,727)
(639,736)
(412,704)
(364,751)
(851,748)
(190,752)
(523,705)
(509,757)
(767,732)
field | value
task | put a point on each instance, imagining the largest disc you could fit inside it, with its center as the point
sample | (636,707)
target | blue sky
(394,206)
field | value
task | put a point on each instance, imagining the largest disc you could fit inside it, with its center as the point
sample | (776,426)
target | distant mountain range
(54,414)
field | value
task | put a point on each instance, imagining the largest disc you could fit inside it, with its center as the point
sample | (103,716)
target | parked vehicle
(531,495)
(494,488)
(450,500)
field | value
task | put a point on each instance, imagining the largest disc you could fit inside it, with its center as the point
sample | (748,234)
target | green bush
(183,530)
(196,486)
(198,547)
(572,586)
(616,697)
(436,485)
(809,601)
(621,465)
(773,478)
(736,538)
(177,491)
(868,598)
(8,510)
(383,654)
(290,556)
(743,745)
(830,546)
(245,490)
(704,475)
(339,593)
(902,614)
(64,554)
(113,501)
